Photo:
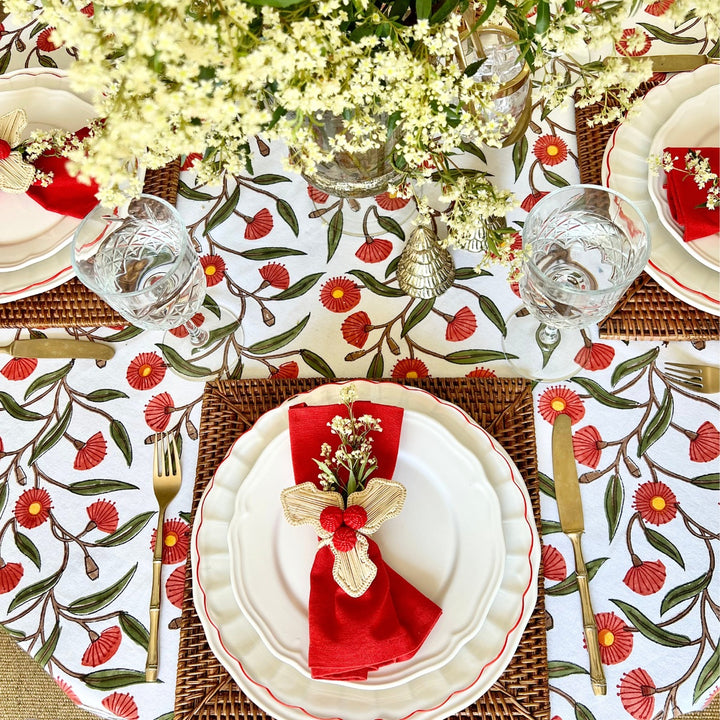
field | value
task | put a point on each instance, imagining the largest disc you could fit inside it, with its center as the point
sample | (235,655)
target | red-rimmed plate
(283,691)
(625,169)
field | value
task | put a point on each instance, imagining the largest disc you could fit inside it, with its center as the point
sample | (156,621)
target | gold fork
(167,476)
(701,378)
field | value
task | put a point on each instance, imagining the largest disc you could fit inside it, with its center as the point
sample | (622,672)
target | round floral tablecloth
(311,280)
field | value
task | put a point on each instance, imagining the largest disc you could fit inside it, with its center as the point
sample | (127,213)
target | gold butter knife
(57,348)
(567,494)
(672,63)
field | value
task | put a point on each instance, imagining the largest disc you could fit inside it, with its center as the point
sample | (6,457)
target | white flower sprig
(347,469)
(697,167)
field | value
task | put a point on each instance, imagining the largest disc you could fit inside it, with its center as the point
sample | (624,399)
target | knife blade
(671,63)
(57,348)
(569,502)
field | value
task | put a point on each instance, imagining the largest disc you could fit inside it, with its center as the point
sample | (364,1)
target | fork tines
(688,375)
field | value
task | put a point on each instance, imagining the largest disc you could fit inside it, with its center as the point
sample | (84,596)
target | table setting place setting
(360,360)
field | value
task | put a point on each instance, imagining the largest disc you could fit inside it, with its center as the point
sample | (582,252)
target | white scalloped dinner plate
(625,169)
(696,123)
(56,268)
(31,233)
(447,542)
(278,687)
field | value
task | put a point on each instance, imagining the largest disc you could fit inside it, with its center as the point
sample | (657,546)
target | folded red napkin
(686,200)
(350,637)
(65,194)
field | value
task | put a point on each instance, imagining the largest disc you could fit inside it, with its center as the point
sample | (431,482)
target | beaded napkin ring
(16,175)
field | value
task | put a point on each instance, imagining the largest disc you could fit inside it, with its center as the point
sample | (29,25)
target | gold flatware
(672,63)
(567,494)
(700,378)
(167,477)
(57,348)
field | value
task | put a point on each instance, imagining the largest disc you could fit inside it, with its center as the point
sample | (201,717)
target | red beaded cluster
(5,149)
(343,525)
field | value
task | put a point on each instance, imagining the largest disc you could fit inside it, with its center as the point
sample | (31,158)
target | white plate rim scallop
(461,577)
(624,168)
(46,108)
(697,133)
(57,268)
(435,695)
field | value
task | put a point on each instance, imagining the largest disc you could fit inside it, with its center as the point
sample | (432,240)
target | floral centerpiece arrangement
(174,77)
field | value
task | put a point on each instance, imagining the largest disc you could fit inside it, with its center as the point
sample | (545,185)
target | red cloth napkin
(65,195)
(686,200)
(350,637)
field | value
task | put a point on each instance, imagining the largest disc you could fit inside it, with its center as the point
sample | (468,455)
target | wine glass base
(217,358)
(530,359)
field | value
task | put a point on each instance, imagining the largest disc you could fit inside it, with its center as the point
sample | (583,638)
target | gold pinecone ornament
(425,269)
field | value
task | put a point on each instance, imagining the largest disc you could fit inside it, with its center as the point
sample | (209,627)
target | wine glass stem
(548,335)
(198,336)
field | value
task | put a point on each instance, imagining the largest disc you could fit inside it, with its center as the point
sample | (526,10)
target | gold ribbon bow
(16,175)
(381,500)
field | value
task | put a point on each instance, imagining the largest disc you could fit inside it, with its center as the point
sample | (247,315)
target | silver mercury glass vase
(425,269)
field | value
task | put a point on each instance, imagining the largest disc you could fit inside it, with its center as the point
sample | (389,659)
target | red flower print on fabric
(461,325)
(530,201)
(104,515)
(705,446)
(214,267)
(554,564)
(33,507)
(275,275)
(175,586)
(190,161)
(158,410)
(410,368)
(43,40)
(595,356)
(67,690)
(633,42)
(10,575)
(92,453)
(655,502)
(614,638)
(636,692)
(559,400)
(481,372)
(176,541)
(145,371)
(181,331)
(286,370)
(550,150)
(659,8)
(339,294)
(356,328)
(586,446)
(103,647)
(374,250)
(259,225)
(316,195)
(19,368)
(645,578)
(390,202)
(123,705)
(88,10)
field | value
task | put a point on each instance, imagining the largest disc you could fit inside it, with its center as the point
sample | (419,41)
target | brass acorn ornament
(425,269)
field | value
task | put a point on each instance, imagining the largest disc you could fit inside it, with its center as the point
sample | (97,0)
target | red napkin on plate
(686,200)
(350,637)
(65,195)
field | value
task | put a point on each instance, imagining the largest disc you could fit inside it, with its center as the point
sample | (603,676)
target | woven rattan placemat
(647,311)
(503,406)
(72,304)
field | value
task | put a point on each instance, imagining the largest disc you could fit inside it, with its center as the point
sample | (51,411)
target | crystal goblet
(143,264)
(583,246)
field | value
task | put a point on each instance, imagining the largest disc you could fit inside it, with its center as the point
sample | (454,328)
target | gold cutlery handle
(151,666)
(597,675)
